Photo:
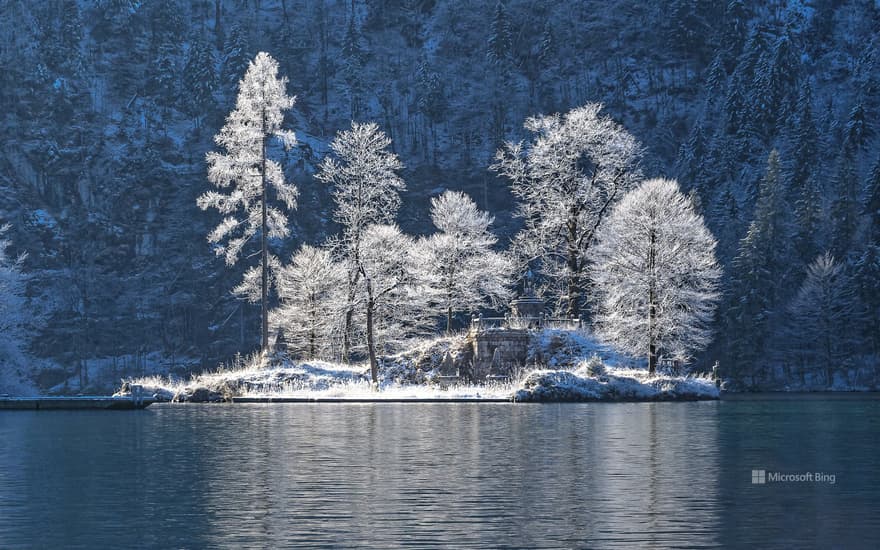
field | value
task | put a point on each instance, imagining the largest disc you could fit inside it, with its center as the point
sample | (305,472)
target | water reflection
(626,475)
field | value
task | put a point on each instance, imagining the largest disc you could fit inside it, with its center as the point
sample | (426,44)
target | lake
(456,475)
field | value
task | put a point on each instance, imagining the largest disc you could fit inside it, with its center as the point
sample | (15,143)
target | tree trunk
(574,293)
(218,27)
(349,315)
(449,320)
(652,308)
(264,245)
(371,345)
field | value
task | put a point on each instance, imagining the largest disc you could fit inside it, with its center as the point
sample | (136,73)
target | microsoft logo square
(759,477)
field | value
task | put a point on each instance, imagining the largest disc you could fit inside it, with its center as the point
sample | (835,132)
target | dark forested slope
(107,109)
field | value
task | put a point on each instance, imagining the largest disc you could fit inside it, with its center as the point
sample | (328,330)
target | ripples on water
(429,475)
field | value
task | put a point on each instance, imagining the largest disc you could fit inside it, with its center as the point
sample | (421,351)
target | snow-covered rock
(613,384)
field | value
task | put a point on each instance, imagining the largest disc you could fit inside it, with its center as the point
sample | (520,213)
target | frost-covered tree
(353,67)
(567,179)
(199,78)
(808,222)
(845,208)
(461,270)
(13,317)
(655,275)
(247,174)
(500,44)
(822,315)
(310,289)
(872,205)
(866,277)
(805,144)
(366,187)
(235,56)
(757,271)
(12,297)
(387,265)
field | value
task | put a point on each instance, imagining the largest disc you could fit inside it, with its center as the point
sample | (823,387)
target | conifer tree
(822,316)
(808,222)
(806,143)
(235,57)
(352,68)
(757,271)
(872,205)
(247,172)
(500,56)
(858,131)
(845,207)
(199,78)
(866,277)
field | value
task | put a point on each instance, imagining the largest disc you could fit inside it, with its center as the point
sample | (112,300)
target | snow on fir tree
(244,176)
(823,314)
(655,275)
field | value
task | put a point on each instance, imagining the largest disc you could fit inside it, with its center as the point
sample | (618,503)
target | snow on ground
(573,368)
(588,383)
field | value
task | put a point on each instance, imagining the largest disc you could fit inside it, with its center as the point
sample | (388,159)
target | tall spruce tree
(845,208)
(805,143)
(757,271)
(199,79)
(872,205)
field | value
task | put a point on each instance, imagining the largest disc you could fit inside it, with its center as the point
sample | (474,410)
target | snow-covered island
(565,366)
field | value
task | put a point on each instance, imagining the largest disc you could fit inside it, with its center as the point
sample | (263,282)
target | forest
(764,112)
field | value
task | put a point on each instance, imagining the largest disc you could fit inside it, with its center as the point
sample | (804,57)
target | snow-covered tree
(655,274)
(235,56)
(366,187)
(822,315)
(248,174)
(13,318)
(309,289)
(845,208)
(866,278)
(199,78)
(578,165)
(872,205)
(757,271)
(461,270)
(387,265)
(353,67)
(12,287)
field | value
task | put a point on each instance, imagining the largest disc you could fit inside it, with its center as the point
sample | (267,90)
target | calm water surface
(453,475)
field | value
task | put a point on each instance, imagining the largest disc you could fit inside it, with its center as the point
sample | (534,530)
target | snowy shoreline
(566,367)
(540,386)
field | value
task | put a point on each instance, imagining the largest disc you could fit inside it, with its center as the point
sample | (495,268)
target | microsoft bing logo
(759,477)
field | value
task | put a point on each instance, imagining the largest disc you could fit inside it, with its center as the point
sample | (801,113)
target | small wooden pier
(137,400)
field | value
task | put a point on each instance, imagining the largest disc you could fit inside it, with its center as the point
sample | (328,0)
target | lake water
(454,475)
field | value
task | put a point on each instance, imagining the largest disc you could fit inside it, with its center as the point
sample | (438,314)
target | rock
(198,395)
